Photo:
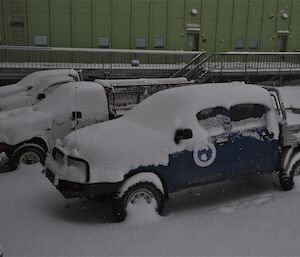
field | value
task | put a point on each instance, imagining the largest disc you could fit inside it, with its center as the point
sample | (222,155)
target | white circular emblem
(205,155)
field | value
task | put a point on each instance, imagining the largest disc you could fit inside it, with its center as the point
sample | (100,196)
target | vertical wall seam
(167,26)
(92,5)
(216,26)
(50,20)
(261,25)
(150,26)
(232,22)
(247,24)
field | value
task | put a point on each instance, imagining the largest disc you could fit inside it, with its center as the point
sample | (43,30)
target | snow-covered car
(32,80)
(175,139)
(26,134)
(44,86)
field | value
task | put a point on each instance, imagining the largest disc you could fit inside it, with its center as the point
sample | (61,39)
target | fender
(286,156)
(36,141)
(141,177)
(293,160)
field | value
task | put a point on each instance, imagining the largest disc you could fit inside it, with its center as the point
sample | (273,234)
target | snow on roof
(142,82)
(189,100)
(145,136)
(27,98)
(33,78)
(49,80)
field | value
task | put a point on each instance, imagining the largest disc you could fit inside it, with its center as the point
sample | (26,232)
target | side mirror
(182,134)
(41,96)
(76,115)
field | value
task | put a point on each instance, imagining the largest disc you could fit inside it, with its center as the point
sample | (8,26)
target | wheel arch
(145,176)
(35,141)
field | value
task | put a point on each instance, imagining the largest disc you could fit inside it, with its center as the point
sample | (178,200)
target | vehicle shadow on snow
(80,211)
(225,197)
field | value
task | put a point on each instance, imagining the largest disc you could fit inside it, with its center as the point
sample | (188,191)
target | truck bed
(293,127)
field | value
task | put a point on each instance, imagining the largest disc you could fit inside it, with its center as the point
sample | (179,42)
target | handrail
(247,62)
(96,50)
(189,64)
(192,71)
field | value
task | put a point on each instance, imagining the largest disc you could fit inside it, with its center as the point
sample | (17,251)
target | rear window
(246,111)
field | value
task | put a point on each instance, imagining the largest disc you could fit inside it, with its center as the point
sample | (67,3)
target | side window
(248,115)
(214,120)
(51,88)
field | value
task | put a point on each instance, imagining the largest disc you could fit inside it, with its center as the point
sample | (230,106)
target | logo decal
(205,155)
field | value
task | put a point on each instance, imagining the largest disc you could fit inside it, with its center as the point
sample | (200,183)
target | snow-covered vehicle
(176,139)
(26,134)
(44,86)
(33,80)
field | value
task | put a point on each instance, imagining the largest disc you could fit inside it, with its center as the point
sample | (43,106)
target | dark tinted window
(246,111)
(214,120)
(211,112)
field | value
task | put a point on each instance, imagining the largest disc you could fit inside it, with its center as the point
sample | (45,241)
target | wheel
(141,191)
(287,180)
(28,154)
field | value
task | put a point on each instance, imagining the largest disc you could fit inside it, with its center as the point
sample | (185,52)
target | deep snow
(241,217)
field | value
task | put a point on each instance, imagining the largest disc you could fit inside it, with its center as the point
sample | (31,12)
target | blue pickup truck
(176,139)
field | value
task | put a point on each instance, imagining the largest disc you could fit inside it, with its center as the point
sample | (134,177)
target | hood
(22,124)
(14,101)
(10,90)
(113,148)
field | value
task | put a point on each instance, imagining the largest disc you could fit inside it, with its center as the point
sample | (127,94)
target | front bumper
(97,191)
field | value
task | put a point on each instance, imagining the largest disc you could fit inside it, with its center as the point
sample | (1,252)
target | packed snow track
(241,217)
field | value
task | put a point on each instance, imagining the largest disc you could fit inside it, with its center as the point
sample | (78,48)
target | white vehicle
(44,86)
(26,134)
(32,80)
(175,139)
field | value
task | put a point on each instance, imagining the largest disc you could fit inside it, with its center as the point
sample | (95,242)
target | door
(207,161)
(193,41)
(253,149)
(62,125)
(282,42)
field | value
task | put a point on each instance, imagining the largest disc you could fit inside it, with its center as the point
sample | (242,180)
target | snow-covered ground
(242,217)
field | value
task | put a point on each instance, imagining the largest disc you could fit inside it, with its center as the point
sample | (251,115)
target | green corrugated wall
(218,25)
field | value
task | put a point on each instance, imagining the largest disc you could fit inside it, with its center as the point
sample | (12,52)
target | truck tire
(143,190)
(28,154)
(287,181)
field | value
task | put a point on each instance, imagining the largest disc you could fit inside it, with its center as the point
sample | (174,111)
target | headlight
(78,163)
(58,156)
(81,165)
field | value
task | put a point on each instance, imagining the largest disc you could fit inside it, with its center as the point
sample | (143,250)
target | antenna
(76,118)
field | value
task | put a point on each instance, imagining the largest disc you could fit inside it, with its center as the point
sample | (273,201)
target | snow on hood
(33,79)
(22,124)
(145,136)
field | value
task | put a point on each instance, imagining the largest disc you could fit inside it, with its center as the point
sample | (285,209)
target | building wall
(210,25)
